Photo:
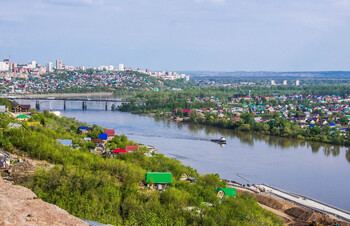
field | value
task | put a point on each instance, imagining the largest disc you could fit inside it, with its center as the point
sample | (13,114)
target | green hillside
(113,190)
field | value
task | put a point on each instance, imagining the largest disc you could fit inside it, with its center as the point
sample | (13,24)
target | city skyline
(197,35)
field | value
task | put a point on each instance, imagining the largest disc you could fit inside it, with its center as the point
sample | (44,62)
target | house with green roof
(159,179)
(221,192)
(21,117)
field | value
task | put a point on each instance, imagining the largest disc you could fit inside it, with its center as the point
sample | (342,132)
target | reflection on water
(272,141)
(347,155)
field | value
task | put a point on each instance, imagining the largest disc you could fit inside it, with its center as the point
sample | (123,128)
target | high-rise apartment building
(49,67)
(32,64)
(4,66)
(59,64)
(121,67)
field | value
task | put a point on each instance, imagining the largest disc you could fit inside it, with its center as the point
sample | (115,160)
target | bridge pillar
(84,105)
(37,105)
(106,106)
(64,105)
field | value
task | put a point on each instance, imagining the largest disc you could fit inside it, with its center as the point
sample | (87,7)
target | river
(320,171)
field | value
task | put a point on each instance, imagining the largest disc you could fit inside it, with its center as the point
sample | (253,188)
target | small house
(12,125)
(96,140)
(33,124)
(119,151)
(68,143)
(160,180)
(132,147)
(3,109)
(185,177)
(22,118)
(221,192)
(103,136)
(82,130)
(21,108)
(110,132)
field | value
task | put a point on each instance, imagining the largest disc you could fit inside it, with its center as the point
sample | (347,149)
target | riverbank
(290,212)
(190,121)
(270,197)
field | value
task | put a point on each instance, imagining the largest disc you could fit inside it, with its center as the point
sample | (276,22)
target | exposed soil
(19,171)
(293,214)
(20,206)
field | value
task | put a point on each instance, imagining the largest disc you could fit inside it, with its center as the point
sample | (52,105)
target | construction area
(294,213)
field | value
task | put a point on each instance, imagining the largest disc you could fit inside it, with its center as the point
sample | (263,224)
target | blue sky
(217,35)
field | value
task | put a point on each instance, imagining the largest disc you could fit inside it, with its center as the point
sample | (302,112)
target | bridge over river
(84,102)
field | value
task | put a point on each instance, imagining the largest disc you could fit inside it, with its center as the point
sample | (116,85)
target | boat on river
(221,140)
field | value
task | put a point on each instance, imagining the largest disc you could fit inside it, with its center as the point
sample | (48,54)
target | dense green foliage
(111,190)
(164,101)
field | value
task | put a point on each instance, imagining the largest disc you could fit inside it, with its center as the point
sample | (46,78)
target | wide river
(316,170)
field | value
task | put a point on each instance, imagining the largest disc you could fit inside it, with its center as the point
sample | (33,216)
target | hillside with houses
(312,117)
(97,175)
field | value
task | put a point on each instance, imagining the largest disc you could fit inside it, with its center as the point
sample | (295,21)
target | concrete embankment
(308,203)
(292,211)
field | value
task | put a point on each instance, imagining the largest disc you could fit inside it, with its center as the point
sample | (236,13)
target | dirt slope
(20,206)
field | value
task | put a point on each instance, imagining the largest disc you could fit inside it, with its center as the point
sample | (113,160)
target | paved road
(308,202)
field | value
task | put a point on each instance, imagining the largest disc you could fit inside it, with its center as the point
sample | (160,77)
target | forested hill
(113,190)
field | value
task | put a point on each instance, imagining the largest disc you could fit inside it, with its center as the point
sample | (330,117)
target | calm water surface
(312,169)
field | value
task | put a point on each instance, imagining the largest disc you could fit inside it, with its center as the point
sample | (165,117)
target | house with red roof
(132,147)
(119,151)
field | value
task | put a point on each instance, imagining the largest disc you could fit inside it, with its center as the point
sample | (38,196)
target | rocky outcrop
(20,206)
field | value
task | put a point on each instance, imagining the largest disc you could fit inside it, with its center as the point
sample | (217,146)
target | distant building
(68,143)
(106,68)
(4,66)
(2,109)
(160,180)
(21,108)
(221,192)
(121,67)
(273,82)
(297,83)
(59,64)
(285,82)
(32,64)
(49,67)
